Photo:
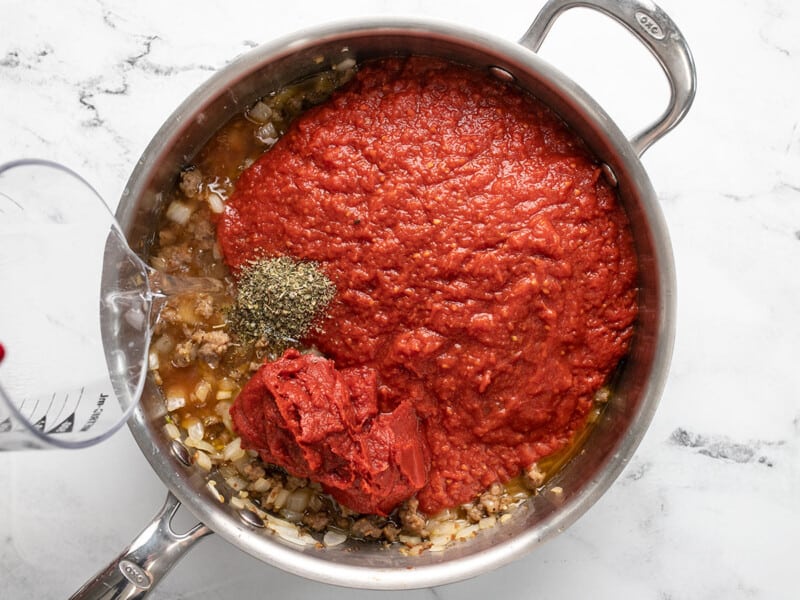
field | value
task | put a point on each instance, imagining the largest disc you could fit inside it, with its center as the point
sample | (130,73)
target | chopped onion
(291,515)
(346,64)
(236,483)
(175,402)
(195,429)
(290,533)
(200,445)
(215,203)
(333,538)
(280,499)
(179,212)
(202,389)
(227,383)
(410,540)
(228,421)
(222,408)
(172,431)
(298,500)
(242,463)
(445,528)
(202,460)
(212,487)
(467,532)
(152,361)
(267,134)
(237,502)
(260,112)
(233,450)
(261,485)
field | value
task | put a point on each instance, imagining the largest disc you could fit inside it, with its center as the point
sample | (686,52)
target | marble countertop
(707,509)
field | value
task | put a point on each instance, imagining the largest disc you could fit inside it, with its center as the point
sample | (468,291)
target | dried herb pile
(279,300)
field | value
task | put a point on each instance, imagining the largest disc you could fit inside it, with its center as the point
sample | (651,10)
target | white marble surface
(710,506)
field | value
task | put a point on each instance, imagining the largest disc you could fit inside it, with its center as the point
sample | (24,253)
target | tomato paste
(303,414)
(484,268)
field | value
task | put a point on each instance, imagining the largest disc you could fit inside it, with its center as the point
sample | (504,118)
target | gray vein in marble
(84,97)
(779,187)
(639,471)
(89,89)
(792,139)
(774,14)
(141,61)
(10,60)
(146,50)
(35,134)
(667,198)
(774,45)
(108,14)
(17,59)
(720,447)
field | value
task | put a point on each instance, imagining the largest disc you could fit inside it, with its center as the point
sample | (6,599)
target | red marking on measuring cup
(2,352)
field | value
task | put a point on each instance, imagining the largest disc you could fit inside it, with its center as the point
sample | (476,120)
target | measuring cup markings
(54,413)
(98,410)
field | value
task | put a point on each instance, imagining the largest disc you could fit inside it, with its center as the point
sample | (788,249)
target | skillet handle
(145,562)
(653,28)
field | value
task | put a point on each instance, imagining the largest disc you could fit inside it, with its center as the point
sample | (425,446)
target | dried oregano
(279,300)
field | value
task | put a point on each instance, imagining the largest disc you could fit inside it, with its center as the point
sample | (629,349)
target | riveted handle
(145,562)
(653,28)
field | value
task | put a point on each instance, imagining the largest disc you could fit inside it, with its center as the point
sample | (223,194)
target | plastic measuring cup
(76,306)
(56,387)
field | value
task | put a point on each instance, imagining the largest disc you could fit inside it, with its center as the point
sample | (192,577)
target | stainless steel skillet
(612,442)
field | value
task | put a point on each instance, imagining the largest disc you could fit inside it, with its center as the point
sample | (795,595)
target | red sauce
(484,268)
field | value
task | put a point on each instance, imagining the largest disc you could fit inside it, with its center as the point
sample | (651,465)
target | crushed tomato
(485,270)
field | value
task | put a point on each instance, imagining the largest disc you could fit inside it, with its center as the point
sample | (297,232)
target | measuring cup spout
(165,285)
